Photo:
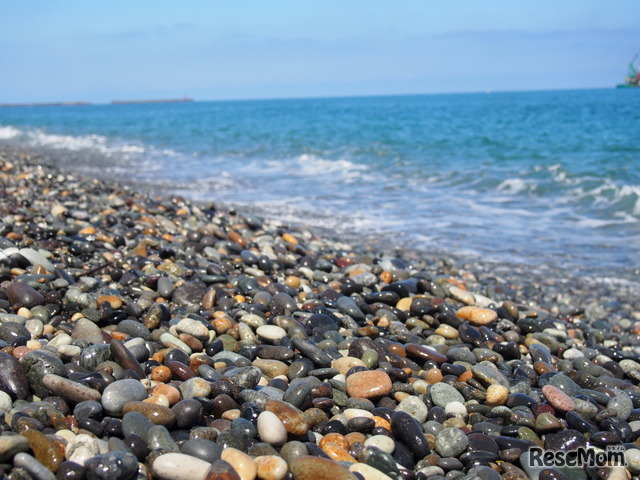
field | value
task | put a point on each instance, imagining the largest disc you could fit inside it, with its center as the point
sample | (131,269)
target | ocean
(537,178)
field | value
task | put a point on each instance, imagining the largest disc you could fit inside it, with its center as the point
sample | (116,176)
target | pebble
(271,429)
(118,393)
(178,466)
(451,442)
(271,467)
(558,399)
(443,393)
(317,468)
(242,463)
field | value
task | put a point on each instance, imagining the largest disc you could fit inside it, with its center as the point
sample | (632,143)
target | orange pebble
(169,391)
(433,376)
(381,422)
(161,374)
(337,453)
(465,376)
(386,277)
(287,237)
(335,438)
(354,437)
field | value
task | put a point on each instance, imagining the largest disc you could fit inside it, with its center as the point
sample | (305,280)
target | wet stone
(451,442)
(117,394)
(443,394)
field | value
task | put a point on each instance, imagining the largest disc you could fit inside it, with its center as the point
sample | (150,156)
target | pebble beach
(147,336)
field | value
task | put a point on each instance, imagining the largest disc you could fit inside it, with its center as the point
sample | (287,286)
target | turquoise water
(532,177)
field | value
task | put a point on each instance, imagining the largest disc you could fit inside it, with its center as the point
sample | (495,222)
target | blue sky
(104,50)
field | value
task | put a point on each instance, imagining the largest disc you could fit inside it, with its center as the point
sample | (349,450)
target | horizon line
(188,99)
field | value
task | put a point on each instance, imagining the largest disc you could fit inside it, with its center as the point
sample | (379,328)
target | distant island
(113,102)
(45,104)
(171,100)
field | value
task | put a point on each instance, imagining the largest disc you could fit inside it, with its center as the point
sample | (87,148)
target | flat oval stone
(158,414)
(271,467)
(202,448)
(477,316)
(558,399)
(451,442)
(44,449)
(117,394)
(294,420)
(316,468)
(21,294)
(271,333)
(178,466)
(36,364)
(369,384)
(443,393)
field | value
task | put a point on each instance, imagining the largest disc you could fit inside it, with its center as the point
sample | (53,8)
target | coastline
(96,254)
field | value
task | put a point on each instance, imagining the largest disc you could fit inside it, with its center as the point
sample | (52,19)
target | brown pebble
(369,384)
(558,399)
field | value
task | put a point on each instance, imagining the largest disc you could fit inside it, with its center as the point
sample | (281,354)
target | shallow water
(541,178)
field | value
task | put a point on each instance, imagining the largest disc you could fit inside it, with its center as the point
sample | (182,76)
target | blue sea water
(531,177)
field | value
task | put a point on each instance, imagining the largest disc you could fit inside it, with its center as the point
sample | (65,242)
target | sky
(100,51)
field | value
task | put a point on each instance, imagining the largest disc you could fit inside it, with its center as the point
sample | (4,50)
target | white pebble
(271,429)
(454,409)
(178,466)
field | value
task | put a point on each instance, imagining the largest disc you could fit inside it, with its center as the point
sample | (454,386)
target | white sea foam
(8,132)
(515,186)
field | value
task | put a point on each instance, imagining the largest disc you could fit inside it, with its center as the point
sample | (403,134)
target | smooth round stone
(242,463)
(188,413)
(451,442)
(178,466)
(317,468)
(5,401)
(497,395)
(369,384)
(71,471)
(488,374)
(13,379)
(117,394)
(415,407)
(85,329)
(158,437)
(564,383)
(344,364)
(368,472)
(271,333)
(94,355)
(455,409)
(32,466)
(621,403)
(11,444)
(170,341)
(9,331)
(112,466)
(558,399)
(546,422)
(293,449)
(271,467)
(270,429)
(383,442)
(202,448)
(20,294)
(477,316)
(195,387)
(443,393)
(632,456)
